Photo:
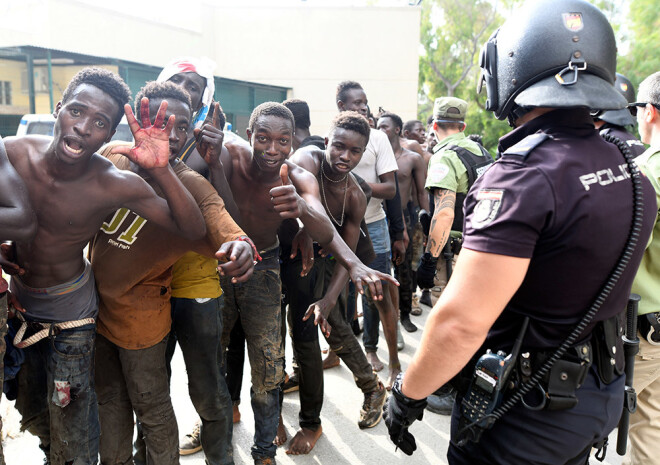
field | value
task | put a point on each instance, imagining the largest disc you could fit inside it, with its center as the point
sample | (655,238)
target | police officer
(456,163)
(644,432)
(618,122)
(545,227)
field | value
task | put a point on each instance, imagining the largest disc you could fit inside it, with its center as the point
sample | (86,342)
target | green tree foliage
(452,34)
(643,30)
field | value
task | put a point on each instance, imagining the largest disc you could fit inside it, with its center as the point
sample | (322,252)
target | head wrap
(202,66)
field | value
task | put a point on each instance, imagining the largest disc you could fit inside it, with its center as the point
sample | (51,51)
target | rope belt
(45,331)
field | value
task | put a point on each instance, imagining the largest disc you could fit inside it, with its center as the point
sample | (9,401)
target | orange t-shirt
(132,261)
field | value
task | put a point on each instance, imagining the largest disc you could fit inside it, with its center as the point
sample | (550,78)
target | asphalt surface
(342,442)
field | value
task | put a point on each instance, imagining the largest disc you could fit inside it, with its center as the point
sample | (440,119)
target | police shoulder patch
(437,172)
(487,207)
(529,143)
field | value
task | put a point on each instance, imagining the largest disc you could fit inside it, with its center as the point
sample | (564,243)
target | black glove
(426,271)
(399,412)
(424,218)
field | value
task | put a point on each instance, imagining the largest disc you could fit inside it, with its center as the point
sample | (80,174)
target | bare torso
(406,163)
(251,190)
(69,212)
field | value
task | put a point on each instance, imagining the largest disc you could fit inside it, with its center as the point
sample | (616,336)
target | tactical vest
(475,165)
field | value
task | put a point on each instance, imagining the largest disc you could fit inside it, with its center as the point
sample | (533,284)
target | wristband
(257,257)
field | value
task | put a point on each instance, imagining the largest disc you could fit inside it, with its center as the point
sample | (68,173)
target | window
(5,93)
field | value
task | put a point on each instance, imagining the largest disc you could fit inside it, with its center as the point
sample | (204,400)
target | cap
(449,110)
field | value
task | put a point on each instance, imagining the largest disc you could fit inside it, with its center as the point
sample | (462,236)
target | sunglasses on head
(633,106)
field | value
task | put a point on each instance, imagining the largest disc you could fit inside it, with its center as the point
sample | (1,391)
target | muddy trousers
(135,381)
(257,304)
(56,396)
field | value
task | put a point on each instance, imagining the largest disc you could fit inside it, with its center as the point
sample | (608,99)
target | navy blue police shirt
(634,144)
(566,204)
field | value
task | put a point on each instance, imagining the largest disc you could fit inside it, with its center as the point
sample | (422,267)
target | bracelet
(257,257)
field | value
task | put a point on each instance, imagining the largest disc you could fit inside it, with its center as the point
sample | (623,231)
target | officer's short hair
(649,89)
(450,126)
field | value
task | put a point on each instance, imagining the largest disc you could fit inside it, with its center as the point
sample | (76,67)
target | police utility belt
(604,350)
(557,390)
(649,327)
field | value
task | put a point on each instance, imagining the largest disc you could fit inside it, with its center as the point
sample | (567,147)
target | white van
(43,123)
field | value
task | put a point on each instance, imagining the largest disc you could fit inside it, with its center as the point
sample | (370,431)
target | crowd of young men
(199,237)
(98,331)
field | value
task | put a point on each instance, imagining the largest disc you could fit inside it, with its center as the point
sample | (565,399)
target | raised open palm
(152,146)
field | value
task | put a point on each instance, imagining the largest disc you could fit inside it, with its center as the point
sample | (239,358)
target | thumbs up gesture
(286,200)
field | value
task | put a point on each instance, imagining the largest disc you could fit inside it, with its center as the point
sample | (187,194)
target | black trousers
(301,292)
(545,437)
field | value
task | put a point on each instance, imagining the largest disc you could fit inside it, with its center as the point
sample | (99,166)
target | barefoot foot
(331,360)
(395,369)
(304,441)
(281,437)
(376,364)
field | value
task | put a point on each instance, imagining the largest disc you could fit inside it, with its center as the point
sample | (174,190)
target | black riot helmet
(550,53)
(621,117)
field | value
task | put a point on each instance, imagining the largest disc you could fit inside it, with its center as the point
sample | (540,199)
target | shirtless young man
(412,177)
(17,222)
(377,167)
(132,260)
(268,189)
(72,190)
(412,136)
(310,304)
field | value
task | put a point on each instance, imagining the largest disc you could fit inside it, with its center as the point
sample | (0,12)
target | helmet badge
(573,21)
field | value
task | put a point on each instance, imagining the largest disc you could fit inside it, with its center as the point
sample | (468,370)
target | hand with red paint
(320,309)
(152,144)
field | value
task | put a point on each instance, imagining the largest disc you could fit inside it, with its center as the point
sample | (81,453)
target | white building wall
(307,48)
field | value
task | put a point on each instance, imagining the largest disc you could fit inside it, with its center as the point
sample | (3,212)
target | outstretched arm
(151,152)
(350,234)
(17,219)
(454,331)
(307,206)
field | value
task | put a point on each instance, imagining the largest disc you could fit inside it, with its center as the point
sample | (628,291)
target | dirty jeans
(257,304)
(56,396)
(135,381)
(343,342)
(405,275)
(197,326)
(380,237)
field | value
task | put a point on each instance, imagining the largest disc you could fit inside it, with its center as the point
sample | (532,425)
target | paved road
(342,441)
